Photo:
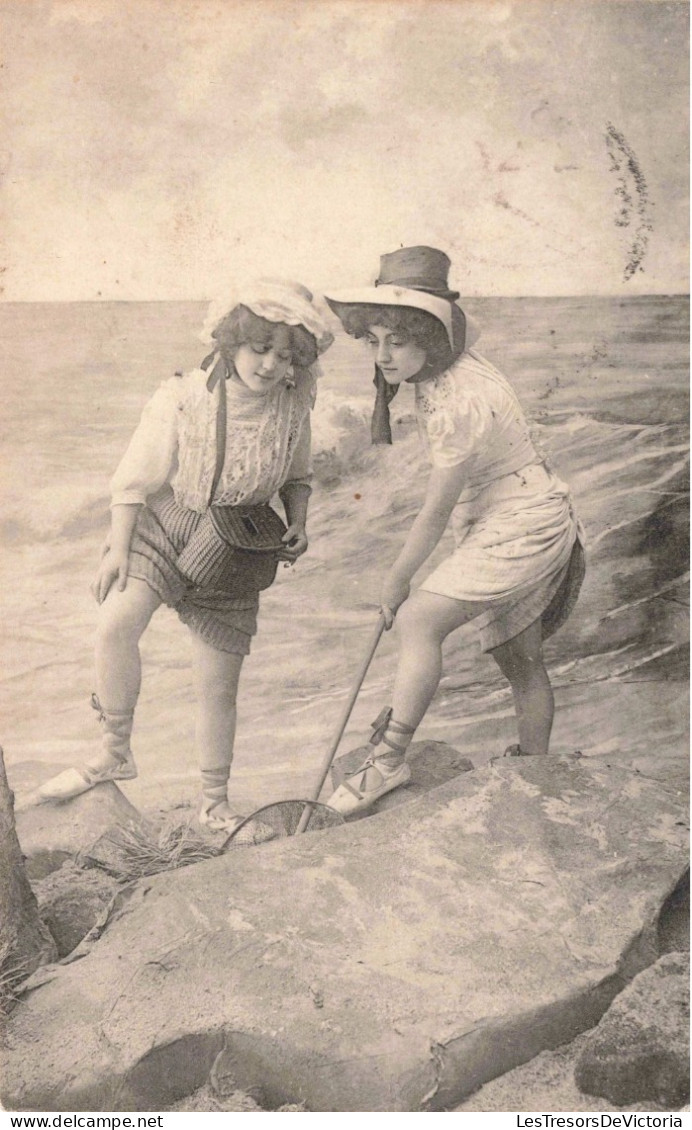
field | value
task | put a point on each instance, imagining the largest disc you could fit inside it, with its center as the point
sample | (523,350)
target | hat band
(437,287)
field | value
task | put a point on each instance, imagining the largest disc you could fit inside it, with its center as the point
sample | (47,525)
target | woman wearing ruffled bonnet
(233,433)
(518,561)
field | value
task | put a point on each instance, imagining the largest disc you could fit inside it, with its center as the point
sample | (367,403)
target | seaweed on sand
(133,852)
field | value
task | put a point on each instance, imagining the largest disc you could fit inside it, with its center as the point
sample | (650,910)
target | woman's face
(261,365)
(395,354)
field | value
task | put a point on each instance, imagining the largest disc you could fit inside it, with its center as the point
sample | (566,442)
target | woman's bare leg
(424,622)
(123,616)
(521,662)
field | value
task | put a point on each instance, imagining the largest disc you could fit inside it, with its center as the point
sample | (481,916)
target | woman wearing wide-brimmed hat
(191,526)
(518,562)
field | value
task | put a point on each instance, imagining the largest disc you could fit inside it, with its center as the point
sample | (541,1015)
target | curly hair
(423,329)
(242,327)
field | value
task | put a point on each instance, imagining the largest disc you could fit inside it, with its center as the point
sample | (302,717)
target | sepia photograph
(344,581)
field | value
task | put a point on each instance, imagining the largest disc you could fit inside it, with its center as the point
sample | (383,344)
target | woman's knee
(415,622)
(521,666)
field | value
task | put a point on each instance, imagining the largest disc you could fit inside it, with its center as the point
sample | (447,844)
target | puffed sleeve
(457,433)
(151,456)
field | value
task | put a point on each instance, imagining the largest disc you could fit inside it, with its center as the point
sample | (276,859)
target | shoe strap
(393,745)
(354,792)
(96,705)
(394,727)
(380,725)
(215,796)
(400,727)
(362,772)
(104,714)
(384,722)
(92,774)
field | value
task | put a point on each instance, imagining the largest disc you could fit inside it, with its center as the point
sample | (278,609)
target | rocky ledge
(393,964)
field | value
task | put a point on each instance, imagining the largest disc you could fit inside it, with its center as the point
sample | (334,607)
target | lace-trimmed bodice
(267,443)
(262,433)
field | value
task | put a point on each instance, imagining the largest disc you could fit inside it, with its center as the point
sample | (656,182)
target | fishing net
(281,819)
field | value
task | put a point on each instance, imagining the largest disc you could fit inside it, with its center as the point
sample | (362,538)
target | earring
(289,379)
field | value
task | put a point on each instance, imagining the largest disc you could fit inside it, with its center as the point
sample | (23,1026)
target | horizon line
(468,297)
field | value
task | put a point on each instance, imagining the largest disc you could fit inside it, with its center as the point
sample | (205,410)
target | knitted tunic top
(267,443)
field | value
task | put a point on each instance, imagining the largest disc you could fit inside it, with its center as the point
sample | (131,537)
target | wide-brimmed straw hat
(276,300)
(415,277)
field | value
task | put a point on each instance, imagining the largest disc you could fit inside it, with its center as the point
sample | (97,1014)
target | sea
(604,382)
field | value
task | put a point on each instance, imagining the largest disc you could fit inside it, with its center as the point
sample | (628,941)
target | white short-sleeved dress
(519,544)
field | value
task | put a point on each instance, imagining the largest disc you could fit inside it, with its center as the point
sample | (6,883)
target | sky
(168,149)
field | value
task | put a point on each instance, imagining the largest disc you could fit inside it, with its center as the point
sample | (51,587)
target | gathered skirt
(163,529)
(519,555)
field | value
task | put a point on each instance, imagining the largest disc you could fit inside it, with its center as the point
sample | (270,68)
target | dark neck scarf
(380,425)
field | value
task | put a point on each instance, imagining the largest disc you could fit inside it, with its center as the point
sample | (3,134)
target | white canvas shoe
(372,780)
(73,782)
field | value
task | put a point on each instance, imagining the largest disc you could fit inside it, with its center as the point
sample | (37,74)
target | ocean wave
(53,514)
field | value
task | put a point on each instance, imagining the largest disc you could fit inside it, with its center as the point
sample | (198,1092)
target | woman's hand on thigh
(113,569)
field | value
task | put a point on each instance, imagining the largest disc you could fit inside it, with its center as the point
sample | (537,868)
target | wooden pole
(343,722)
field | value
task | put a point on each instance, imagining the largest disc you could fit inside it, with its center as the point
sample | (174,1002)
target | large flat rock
(394,964)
